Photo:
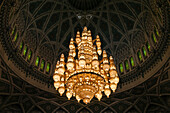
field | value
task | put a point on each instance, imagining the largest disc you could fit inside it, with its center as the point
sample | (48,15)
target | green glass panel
(126,65)
(25,50)
(48,67)
(144,51)
(148,46)
(21,46)
(132,62)
(121,67)
(37,61)
(139,56)
(42,65)
(154,38)
(16,37)
(157,32)
(13,31)
(29,55)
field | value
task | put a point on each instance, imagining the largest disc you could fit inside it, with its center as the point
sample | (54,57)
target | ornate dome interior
(34,33)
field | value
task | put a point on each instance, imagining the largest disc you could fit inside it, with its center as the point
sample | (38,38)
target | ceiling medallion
(84,75)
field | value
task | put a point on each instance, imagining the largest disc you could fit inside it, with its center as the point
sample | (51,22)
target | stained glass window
(25,51)
(139,56)
(132,62)
(157,32)
(121,67)
(154,38)
(148,46)
(126,65)
(48,67)
(37,61)
(13,31)
(21,46)
(159,16)
(29,55)
(15,37)
(42,65)
(144,51)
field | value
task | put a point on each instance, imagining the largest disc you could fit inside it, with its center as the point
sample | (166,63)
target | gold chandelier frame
(85,76)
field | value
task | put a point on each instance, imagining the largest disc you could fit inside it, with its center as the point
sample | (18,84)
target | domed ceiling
(125,27)
(53,23)
(135,31)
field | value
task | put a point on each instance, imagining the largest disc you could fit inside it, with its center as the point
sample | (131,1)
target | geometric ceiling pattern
(46,26)
(17,96)
(53,23)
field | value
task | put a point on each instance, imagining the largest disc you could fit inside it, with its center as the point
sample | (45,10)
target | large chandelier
(84,75)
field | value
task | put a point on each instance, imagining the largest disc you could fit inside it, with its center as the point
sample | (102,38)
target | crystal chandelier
(84,75)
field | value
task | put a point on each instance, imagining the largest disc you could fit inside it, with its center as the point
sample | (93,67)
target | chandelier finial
(85,28)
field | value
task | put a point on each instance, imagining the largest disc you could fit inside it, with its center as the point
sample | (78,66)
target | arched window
(15,37)
(37,61)
(159,14)
(48,67)
(126,65)
(148,46)
(139,56)
(132,62)
(156,32)
(42,65)
(21,46)
(154,38)
(29,56)
(25,51)
(144,51)
(13,31)
(121,68)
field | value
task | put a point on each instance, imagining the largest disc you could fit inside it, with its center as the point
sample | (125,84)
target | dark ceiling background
(52,23)
(46,26)
(124,26)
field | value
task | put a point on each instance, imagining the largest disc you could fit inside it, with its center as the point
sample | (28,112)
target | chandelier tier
(84,75)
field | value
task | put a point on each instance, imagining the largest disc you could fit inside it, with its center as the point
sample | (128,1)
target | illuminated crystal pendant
(86,76)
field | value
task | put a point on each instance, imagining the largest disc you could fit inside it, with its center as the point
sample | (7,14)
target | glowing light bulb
(107,92)
(61,90)
(78,98)
(74,53)
(99,96)
(68,94)
(113,73)
(61,70)
(56,77)
(70,65)
(82,62)
(106,67)
(99,51)
(57,84)
(113,86)
(86,100)
(95,63)
(116,79)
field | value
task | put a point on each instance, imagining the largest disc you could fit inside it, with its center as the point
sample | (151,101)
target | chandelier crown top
(85,28)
